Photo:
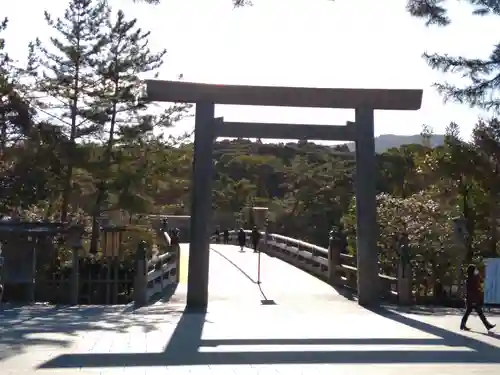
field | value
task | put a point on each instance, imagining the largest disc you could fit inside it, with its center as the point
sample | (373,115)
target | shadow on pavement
(27,328)
(495,335)
(234,265)
(439,310)
(448,337)
(345,292)
(185,344)
(265,300)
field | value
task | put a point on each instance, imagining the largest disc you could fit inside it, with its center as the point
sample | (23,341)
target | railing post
(141,278)
(75,242)
(266,235)
(2,264)
(333,259)
(161,261)
(405,285)
(405,274)
(177,249)
(75,276)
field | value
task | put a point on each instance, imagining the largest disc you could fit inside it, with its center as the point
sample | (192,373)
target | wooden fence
(47,262)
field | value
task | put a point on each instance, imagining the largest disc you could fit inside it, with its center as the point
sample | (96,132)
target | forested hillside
(384,142)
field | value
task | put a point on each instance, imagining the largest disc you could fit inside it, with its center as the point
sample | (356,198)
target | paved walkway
(283,327)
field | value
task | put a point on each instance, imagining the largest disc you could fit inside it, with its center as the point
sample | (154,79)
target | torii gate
(207,129)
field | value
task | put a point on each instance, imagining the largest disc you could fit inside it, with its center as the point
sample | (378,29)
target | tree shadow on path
(184,346)
(23,329)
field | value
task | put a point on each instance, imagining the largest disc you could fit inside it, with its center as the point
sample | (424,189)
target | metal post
(266,235)
(258,268)
(201,206)
(34,243)
(366,208)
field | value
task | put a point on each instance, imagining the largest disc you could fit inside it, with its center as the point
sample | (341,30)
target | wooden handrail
(157,273)
(301,243)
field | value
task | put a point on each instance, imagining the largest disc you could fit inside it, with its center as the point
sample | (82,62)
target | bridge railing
(330,265)
(156,274)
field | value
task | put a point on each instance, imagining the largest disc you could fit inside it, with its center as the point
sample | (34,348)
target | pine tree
(483,74)
(15,113)
(67,78)
(118,109)
(427,134)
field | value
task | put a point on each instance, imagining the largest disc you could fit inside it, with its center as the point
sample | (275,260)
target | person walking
(217,235)
(226,236)
(473,299)
(242,239)
(175,237)
(255,238)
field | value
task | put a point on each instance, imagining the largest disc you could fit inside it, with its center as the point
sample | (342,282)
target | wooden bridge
(330,268)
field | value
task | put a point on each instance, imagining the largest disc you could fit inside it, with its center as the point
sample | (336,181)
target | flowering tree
(430,238)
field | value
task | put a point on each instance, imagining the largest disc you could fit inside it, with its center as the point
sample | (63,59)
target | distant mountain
(386,141)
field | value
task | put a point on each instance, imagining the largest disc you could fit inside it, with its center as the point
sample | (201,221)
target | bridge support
(201,206)
(366,208)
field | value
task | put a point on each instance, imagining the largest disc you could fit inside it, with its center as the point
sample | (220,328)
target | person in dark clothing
(473,299)
(255,238)
(217,235)
(164,225)
(226,236)
(242,238)
(175,237)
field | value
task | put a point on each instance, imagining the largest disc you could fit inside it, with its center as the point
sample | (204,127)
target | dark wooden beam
(285,131)
(188,92)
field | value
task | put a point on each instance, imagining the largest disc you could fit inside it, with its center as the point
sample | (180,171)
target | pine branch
(430,10)
(436,13)
(485,7)
(483,79)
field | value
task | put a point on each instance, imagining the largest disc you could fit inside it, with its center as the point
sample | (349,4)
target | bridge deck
(234,276)
(309,330)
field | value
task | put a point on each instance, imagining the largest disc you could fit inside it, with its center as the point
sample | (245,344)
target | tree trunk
(3,137)
(469,222)
(96,212)
(67,189)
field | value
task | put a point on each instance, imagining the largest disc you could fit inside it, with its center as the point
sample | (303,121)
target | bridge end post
(405,285)
(333,259)
(177,249)
(75,242)
(141,280)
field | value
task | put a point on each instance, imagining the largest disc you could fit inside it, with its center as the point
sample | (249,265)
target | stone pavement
(281,327)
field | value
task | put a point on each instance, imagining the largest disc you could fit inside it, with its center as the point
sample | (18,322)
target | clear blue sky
(345,43)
